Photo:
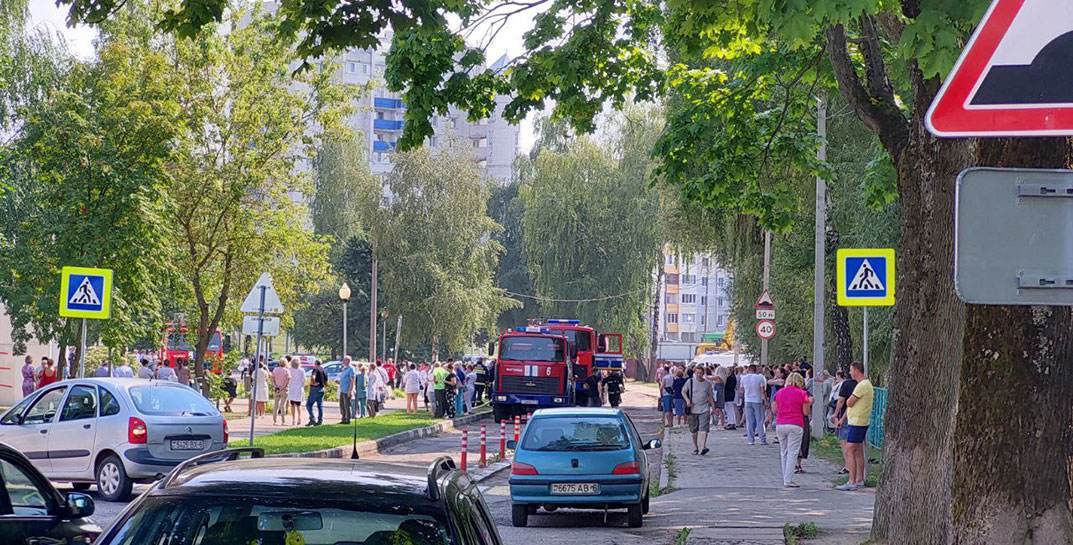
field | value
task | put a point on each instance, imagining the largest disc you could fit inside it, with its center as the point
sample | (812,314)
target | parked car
(224,498)
(112,432)
(333,369)
(33,511)
(583,459)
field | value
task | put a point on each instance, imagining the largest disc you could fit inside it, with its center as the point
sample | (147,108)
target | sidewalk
(741,487)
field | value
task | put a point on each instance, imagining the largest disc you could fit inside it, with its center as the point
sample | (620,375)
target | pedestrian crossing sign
(85,293)
(865,277)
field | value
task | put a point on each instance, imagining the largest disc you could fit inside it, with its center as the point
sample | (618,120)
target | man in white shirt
(755,392)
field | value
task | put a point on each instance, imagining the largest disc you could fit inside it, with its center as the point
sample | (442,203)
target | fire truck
(540,366)
(178,345)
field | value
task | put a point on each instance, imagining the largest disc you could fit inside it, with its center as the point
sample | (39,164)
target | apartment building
(694,300)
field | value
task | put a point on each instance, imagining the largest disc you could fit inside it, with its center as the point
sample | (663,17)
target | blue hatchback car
(583,459)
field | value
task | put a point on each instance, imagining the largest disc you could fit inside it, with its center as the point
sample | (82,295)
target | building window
(722,282)
(704,300)
(719,302)
(670,259)
(672,318)
(704,280)
(672,279)
(689,279)
(722,321)
(671,298)
(351,68)
(704,262)
(456,122)
(689,318)
(689,298)
(689,337)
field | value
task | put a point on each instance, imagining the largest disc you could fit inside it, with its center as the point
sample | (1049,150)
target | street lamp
(344,295)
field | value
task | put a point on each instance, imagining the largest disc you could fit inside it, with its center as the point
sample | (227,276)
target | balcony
(381,146)
(388,103)
(387,125)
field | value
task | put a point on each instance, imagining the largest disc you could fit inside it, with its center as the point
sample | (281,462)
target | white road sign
(252,304)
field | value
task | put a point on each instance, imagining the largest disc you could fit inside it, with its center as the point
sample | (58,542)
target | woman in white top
(471,387)
(261,376)
(295,390)
(411,382)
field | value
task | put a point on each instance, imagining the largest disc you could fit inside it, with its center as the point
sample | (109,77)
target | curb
(664,477)
(486,473)
(374,446)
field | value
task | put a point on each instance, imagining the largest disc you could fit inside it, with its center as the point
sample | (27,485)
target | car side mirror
(79,505)
(512,444)
(653,444)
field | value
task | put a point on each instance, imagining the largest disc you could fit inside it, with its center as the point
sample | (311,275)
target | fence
(879,412)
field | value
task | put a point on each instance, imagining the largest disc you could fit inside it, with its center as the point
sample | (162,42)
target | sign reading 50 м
(865,277)
(85,293)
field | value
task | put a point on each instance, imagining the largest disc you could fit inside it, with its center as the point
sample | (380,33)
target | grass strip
(314,438)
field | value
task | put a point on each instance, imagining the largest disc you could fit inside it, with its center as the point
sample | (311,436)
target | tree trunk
(913,502)
(654,344)
(1015,443)
(839,315)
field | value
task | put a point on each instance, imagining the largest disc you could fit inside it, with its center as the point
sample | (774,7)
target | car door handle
(86,426)
(43,431)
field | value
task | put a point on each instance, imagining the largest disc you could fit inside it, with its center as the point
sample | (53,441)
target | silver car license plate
(575,489)
(187,444)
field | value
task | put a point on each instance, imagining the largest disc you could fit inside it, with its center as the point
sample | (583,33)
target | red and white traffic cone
(465,447)
(502,440)
(517,428)
(484,446)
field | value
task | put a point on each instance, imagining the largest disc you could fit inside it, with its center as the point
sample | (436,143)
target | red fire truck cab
(532,371)
(590,350)
(179,346)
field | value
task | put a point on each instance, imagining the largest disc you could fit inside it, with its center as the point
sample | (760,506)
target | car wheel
(634,516)
(519,515)
(112,481)
(81,487)
(644,505)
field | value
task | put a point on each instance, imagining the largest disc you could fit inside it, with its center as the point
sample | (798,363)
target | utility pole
(373,314)
(818,328)
(767,281)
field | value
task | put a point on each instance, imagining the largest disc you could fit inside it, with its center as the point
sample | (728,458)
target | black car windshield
(531,349)
(170,401)
(566,434)
(227,520)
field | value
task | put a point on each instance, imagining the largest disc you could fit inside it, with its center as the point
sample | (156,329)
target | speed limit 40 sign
(765,329)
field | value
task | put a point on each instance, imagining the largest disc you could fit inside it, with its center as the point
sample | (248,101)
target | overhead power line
(592,300)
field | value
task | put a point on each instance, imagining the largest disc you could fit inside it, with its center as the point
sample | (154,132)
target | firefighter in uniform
(614,386)
(483,378)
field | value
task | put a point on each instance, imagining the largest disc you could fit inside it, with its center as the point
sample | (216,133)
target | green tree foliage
(592,228)
(87,177)
(435,248)
(512,273)
(346,192)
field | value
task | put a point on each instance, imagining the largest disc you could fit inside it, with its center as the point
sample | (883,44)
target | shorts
(856,434)
(679,406)
(665,404)
(843,433)
(700,422)
(295,403)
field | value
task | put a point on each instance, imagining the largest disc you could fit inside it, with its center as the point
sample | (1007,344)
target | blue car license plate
(575,489)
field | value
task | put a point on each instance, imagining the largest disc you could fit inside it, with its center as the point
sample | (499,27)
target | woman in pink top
(792,405)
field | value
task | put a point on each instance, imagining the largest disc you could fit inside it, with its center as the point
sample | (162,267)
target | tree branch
(880,113)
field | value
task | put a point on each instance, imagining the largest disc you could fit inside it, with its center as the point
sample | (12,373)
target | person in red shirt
(49,373)
(390,368)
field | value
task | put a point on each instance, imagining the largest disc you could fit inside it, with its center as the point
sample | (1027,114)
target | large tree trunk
(839,315)
(913,503)
(1015,445)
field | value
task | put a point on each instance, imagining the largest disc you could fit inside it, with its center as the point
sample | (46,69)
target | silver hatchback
(112,432)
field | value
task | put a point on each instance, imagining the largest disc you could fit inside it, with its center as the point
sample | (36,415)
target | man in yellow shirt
(858,416)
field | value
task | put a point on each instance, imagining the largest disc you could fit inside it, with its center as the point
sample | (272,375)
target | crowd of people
(778,398)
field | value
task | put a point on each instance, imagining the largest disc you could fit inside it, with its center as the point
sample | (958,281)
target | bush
(331,391)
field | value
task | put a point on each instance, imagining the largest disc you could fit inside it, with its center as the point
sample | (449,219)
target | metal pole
(818,328)
(866,341)
(767,279)
(383,341)
(256,363)
(372,315)
(398,331)
(82,353)
(344,329)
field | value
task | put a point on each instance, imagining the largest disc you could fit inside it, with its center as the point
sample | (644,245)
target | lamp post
(344,295)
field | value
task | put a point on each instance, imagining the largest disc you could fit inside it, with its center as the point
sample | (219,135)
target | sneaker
(845,487)
(791,485)
(843,471)
(750,443)
(705,451)
(694,452)
(857,486)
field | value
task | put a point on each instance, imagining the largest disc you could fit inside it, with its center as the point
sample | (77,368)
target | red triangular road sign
(764,301)
(1014,76)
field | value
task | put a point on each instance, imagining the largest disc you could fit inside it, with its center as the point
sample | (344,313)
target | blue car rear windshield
(171,401)
(576,434)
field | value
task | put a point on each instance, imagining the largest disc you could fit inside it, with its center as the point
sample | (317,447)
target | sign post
(865,278)
(261,299)
(85,293)
(765,315)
